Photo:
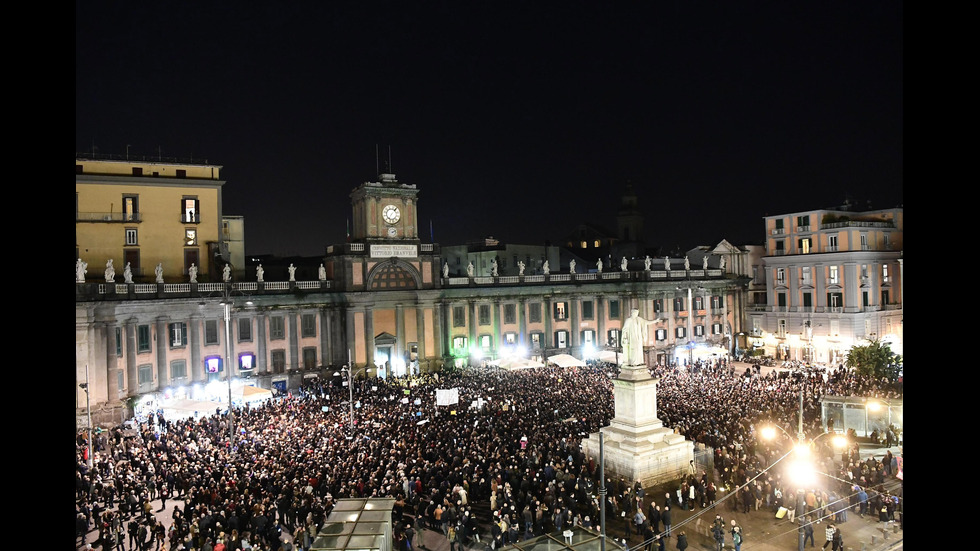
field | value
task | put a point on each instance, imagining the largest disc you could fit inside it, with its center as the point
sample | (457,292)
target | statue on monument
(292,272)
(192,272)
(546,268)
(445,270)
(623,264)
(571,266)
(520,267)
(159,272)
(469,269)
(127,274)
(633,334)
(687,263)
(721,263)
(646,263)
(704,262)
(493,267)
(226,273)
(110,272)
(80,268)
(322,272)
(667,263)
(259,273)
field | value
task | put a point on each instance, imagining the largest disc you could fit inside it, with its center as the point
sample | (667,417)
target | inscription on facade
(400,251)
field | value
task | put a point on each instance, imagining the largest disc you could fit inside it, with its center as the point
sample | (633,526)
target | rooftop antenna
(377,169)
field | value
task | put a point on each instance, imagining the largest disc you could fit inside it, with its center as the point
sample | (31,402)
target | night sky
(517,120)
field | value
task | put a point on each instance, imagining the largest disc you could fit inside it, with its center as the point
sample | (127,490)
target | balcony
(107,217)
(778,231)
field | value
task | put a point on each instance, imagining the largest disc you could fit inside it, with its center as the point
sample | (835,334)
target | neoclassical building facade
(383,305)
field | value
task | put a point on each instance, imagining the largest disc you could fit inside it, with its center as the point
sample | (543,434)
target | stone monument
(637,446)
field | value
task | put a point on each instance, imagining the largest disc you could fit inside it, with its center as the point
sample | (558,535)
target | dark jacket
(682,542)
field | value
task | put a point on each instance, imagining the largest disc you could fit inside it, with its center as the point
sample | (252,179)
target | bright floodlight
(588,350)
(768,433)
(801,473)
(477,353)
(802,450)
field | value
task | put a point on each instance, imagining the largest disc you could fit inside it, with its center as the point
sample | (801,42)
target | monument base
(636,444)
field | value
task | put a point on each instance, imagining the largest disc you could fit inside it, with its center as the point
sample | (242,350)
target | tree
(875,359)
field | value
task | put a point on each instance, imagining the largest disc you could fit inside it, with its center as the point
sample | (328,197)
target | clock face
(391,214)
(392,232)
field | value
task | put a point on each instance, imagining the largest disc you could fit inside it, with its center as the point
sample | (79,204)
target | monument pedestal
(637,446)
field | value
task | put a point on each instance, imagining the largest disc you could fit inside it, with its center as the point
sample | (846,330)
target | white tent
(565,360)
(187,408)
(609,356)
(521,363)
(250,394)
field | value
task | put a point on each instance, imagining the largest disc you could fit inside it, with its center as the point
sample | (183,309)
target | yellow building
(148,213)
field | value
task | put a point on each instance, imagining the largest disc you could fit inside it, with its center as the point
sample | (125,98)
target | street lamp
(350,387)
(227,303)
(690,322)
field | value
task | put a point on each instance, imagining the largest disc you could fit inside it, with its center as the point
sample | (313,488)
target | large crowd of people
(501,465)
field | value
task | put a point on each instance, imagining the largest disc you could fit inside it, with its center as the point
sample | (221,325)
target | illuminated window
(832,242)
(613,339)
(459,344)
(584,244)
(884,273)
(561,311)
(178,334)
(834,276)
(130,207)
(661,334)
(680,332)
(597,243)
(189,211)
(486,342)
(698,330)
(804,245)
(561,339)
(780,276)
(190,237)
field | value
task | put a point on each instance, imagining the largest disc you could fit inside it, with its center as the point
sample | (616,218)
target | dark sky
(515,119)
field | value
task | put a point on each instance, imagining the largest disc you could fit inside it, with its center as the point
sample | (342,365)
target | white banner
(447,396)
(388,251)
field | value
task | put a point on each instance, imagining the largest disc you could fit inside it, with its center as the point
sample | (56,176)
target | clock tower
(385,211)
